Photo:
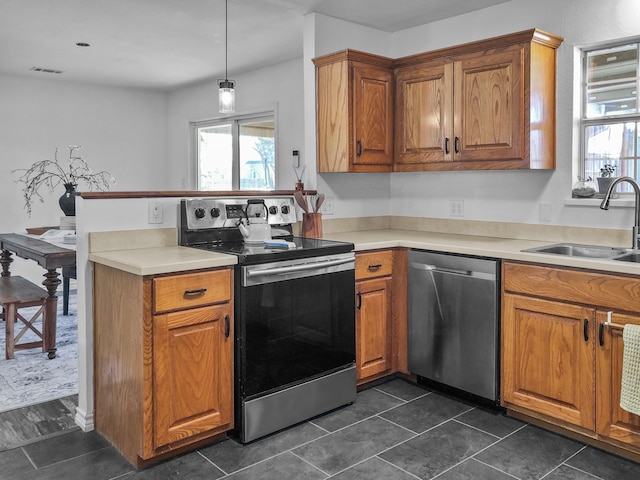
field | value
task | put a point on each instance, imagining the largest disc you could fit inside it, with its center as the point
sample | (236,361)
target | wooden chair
(17,293)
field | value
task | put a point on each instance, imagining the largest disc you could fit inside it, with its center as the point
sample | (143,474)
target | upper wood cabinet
(487,105)
(479,106)
(354,112)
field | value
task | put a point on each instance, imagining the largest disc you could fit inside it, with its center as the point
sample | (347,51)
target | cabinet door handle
(601,334)
(227,326)
(585,330)
(359,148)
(374,268)
(193,293)
(446,145)
(456,144)
(359,306)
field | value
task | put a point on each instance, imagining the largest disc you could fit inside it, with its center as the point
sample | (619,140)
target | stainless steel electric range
(294,312)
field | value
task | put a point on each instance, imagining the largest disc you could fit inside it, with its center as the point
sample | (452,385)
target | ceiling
(166,44)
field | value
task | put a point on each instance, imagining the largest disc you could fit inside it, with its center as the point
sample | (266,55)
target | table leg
(51,283)
(5,261)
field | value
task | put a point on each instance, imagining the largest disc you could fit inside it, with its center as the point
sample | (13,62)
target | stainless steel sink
(633,257)
(578,250)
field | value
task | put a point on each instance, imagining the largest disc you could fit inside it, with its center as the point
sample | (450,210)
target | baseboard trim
(84,420)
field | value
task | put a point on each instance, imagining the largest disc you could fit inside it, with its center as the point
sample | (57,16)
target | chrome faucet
(605,206)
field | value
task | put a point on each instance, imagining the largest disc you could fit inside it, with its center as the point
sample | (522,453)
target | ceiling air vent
(45,70)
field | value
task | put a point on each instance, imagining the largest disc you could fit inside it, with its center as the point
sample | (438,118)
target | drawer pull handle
(227,326)
(374,268)
(193,293)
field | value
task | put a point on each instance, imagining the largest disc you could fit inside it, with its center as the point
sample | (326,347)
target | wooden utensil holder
(312,225)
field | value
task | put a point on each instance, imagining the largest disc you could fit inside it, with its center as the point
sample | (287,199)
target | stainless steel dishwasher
(454,322)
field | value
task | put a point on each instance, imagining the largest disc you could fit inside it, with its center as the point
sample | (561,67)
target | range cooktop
(211,224)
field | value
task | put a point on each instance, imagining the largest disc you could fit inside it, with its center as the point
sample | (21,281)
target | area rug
(32,378)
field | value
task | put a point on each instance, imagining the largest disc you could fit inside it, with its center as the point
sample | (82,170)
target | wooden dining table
(51,257)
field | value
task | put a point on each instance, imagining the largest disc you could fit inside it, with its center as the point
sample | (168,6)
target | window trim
(585,122)
(236,119)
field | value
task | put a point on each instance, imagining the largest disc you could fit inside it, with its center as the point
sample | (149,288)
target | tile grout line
(396,466)
(564,463)
(212,462)
(494,468)
(309,463)
(455,419)
(29,458)
(479,451)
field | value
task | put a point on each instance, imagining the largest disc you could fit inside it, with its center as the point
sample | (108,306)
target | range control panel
(206,213)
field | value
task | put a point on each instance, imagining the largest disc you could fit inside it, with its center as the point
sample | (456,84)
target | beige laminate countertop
(156,260)
(173,258)
(504,248)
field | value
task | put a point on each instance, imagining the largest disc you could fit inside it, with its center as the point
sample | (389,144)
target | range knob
(200,212)
(285,209)
(273,210)
(215,212)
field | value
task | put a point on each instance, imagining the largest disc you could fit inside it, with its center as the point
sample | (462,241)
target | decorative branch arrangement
(51,173)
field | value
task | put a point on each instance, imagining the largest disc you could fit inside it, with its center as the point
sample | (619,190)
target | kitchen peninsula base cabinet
(163,360)
(562,349)
(380,319)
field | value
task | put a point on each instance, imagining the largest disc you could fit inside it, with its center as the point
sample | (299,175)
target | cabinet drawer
(613,291)
(374,264)
(191,290)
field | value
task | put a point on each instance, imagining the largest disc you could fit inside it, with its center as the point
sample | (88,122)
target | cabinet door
(612,421)
(489,98)
(373,327)
(424,113)
(373,116)
(548,358)
(193,371)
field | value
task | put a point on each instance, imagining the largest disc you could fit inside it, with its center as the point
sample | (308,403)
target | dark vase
(68,199)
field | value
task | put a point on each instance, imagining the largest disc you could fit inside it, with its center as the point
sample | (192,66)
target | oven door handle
(298,268)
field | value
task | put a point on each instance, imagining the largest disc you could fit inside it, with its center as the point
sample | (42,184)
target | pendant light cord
(226,39)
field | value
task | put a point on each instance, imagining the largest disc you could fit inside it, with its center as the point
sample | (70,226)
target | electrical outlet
(327,206)
(155,211)
(456,208)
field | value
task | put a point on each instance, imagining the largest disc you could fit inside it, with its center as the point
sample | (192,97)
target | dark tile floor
(395,431)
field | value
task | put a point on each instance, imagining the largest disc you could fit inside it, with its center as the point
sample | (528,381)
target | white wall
(279,86)
(123,131)
(490,196)
(355,194)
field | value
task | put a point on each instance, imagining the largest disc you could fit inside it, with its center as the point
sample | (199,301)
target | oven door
(295,322)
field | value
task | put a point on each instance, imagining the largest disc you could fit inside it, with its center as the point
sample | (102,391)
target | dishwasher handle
(452,271)
(433,268)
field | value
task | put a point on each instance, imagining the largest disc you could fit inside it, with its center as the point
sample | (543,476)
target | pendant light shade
(226,96)
(226,87)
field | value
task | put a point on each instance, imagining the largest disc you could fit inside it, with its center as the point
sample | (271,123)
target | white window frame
(606,120)
(235,121)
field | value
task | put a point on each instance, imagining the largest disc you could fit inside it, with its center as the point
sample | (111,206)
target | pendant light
(226,92)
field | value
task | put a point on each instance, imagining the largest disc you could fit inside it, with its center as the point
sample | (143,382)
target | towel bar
(609,323)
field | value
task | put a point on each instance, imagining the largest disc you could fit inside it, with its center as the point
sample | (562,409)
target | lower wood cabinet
(381,320)
(373,327)
(561,357)
(163,360)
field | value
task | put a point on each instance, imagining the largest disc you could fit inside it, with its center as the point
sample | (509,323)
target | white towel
(630,392)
